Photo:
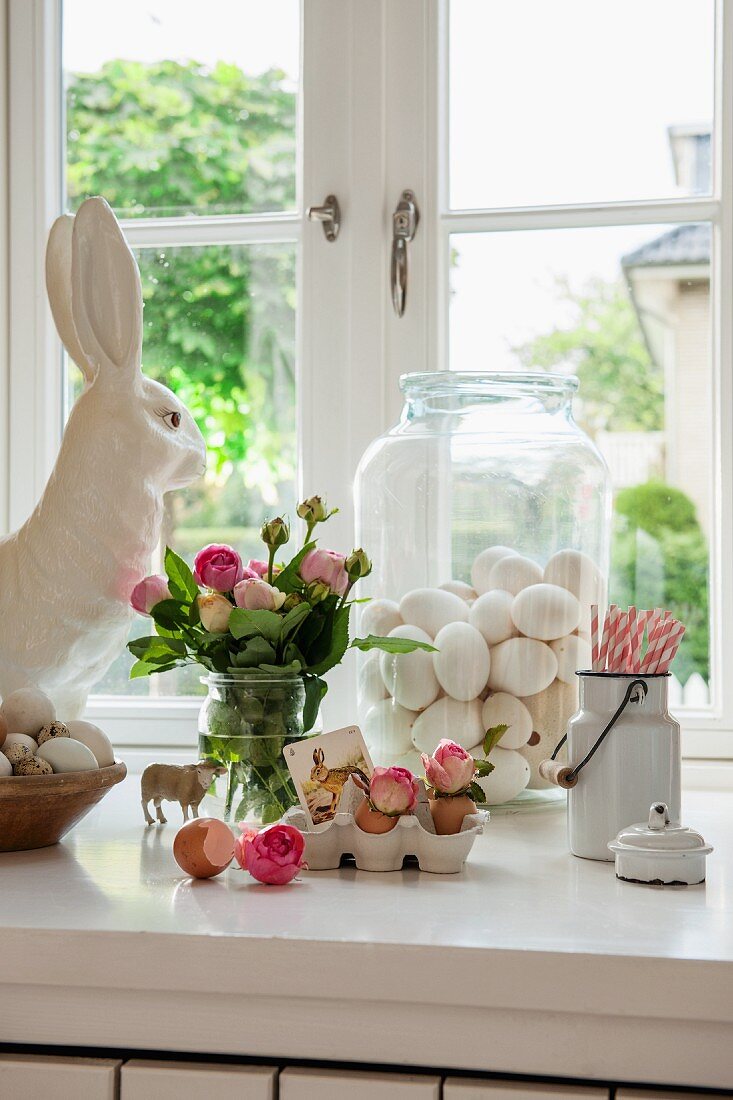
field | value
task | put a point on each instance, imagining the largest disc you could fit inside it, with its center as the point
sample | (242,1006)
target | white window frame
(373,122)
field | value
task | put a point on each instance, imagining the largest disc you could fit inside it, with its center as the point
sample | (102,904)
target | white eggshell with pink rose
(462,661)
(432,608)
(409,677)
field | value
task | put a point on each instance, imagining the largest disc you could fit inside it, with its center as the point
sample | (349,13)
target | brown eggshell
(3,730)
(371,821)
(204,847)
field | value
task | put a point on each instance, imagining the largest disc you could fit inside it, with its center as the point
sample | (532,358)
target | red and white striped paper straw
(605,639)
(617,648)
(671,645)
(657,638)
(594,637)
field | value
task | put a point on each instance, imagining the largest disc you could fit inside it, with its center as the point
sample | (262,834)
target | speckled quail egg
(95,739)
(578,573)
(484,563)
(508,779)
(522,666)
(64,754)
(379,617)
(491,614)
(460,588)
(448,718)
(545,611)
(15,753)
(513,573)
(462,661)
(53,729)
(504,710)
(27,711)
(432,608)
(573,653)
(20,739)
(31,765)
(388,730)
(410,677)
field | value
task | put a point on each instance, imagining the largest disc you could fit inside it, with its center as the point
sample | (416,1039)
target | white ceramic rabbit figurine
(67,574)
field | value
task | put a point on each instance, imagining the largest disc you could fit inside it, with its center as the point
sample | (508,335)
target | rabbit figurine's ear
(106,295)
(58,286)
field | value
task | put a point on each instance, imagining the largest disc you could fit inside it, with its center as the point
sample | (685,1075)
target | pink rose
(214,612)
(274,855)
(326,566)
(258,568)
(257,595)
(218,567)
(148,592)
(450,769)
(393,791)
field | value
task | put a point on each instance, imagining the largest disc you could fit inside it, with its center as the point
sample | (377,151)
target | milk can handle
(571,778)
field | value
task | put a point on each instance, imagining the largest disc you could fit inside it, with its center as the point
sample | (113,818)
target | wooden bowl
(37,810)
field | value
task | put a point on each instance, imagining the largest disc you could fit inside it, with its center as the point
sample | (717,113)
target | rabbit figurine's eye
(172,419)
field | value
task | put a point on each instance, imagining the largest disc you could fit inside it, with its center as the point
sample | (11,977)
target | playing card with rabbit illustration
(321,766)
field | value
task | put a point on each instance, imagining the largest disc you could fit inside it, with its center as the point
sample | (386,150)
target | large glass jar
(486,511)
(244,725)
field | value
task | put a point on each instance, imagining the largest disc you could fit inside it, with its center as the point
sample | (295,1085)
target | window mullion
(582,216)
(224,230)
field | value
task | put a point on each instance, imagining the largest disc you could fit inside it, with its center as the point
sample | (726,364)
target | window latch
(329,215)
(404,225)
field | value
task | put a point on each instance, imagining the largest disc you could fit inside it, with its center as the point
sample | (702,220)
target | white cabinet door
(195,1081)
(29,1077)
(456,1089)
(306,1084)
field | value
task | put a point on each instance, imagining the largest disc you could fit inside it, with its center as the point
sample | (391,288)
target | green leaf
(257,651)
(339,643)
(271,812)
(493,737)
(194,615)
(290,622)
(483,768)
(245,624)
(292,669)
(170,614)
(315,689)
(288,579)
(142,668)
(477,794)
(180,578)
(390,645)
(154,646)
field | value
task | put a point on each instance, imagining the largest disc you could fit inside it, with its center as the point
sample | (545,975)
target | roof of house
(687,244)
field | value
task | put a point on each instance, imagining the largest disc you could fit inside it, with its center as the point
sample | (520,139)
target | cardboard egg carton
(414,835)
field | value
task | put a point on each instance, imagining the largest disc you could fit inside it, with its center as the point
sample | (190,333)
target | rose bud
(218,567)
(258,568)
(214,611)
(312,510)
(450,770)
(148,593)
(326,566)
(393,791)
(275,533)
(258,595)
(317,592)
(292,600)
(357,565)
(273,856)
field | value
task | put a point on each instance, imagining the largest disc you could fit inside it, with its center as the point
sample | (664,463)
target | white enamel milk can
(623,751)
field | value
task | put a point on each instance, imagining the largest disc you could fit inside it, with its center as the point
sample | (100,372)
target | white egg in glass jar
(484,563)
(461,589)
(579,574)
(388,731)
(379,617)
(410,677)
(491,614)
(522,666)
(462,661)
(451,719)
(545,611)
(508,779)
(371,684)
(431,609)
(501,709)
(513,573)
(573,655)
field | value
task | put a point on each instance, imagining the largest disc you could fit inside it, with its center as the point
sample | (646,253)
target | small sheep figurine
(186,784)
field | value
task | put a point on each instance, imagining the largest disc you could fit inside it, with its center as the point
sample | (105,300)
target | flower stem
(231,788)
(271,564)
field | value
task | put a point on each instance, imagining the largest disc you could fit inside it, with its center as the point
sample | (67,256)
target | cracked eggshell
(20,739)
(513,573)
(491,614)
(409,677)
(64,754)
(550,710)
(509,778)
(6,768)
(27,711)
(505,710)
(573,654)
(449,718)
(522,666)
(388,730)
(379,617)
(432,608)
(95,739)
(462,661)
(460,588)
(545,611)
(371,684)
(484,563)
(579,574)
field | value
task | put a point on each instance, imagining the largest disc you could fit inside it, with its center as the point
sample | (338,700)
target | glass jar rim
(487,383)
(242,678)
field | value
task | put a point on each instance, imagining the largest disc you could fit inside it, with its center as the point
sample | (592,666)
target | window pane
(572,101)
(220,331)
(174,108)
(627,309)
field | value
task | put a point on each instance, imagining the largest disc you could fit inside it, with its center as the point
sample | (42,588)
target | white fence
(632,457)
(694,694)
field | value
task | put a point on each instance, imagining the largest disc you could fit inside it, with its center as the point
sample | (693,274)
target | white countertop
(530,961)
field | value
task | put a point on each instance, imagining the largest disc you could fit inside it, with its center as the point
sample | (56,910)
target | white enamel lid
(659,835)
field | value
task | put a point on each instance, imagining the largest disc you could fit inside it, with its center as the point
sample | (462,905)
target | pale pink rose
(257,595)
(326,566)
(214,611)
(273,856)
(148,593)
(450,769)
(258,568)
(393,791)
(218,567)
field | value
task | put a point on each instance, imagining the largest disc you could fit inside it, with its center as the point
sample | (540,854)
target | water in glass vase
(244,724)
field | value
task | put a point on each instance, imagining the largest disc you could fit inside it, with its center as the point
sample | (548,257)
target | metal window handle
(329,215)
(404,225)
